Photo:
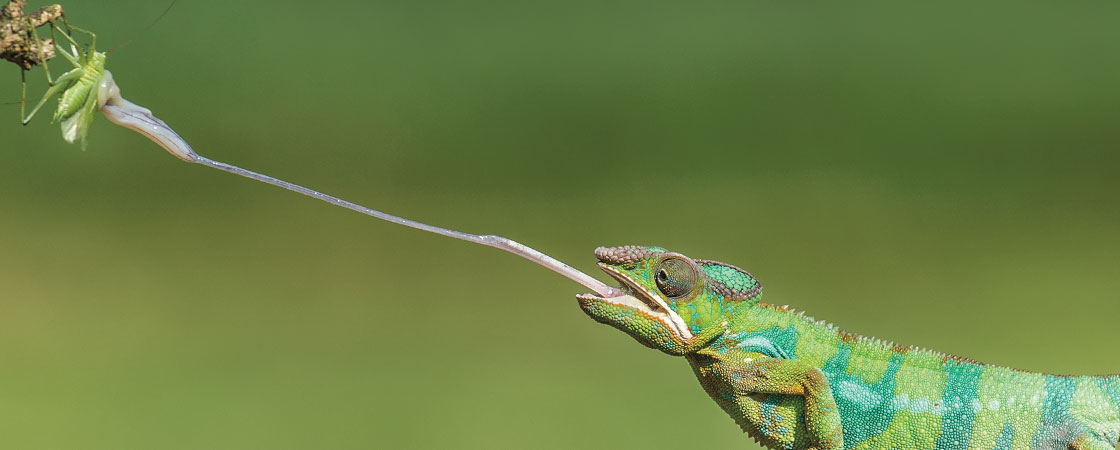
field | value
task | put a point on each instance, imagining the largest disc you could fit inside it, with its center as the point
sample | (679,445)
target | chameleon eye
(675,277)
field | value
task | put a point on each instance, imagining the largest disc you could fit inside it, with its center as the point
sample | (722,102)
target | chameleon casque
(792,382)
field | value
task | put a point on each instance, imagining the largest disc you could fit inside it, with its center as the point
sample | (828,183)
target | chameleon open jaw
(637,297)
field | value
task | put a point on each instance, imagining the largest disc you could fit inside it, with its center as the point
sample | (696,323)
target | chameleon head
(669,297)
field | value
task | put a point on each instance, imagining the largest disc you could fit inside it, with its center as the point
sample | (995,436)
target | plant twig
(17,42)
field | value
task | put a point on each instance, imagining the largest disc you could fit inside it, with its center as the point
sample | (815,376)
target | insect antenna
(147,29)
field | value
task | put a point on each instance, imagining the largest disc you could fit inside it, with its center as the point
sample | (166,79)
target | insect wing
(76,125)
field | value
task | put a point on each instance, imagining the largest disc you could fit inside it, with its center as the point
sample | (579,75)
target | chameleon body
(792,382)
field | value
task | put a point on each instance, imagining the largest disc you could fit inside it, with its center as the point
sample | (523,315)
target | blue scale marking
(865,410)
(1055,413)
(773,342)
(961,381)
(1006,437)
(771,420)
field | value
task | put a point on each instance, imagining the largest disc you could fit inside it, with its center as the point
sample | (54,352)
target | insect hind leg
(61,84)
(39,44)
(42,54)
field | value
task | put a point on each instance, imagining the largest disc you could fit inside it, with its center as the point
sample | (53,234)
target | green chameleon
(792,382)
(789,381)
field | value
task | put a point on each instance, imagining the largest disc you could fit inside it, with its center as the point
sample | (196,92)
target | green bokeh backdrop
(942,174)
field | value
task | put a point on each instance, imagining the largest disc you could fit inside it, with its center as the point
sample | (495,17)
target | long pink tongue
(140,119)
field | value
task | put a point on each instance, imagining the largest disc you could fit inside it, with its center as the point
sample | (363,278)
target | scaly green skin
(792,382)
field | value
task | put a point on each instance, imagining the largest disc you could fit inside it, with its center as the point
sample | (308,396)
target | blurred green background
(940,174)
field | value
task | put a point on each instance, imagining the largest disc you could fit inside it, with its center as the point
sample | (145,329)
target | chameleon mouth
(638,298)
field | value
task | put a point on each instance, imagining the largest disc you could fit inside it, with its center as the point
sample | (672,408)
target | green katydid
(79,98)
(89,87)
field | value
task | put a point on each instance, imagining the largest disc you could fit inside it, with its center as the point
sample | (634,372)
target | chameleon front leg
(792,377)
